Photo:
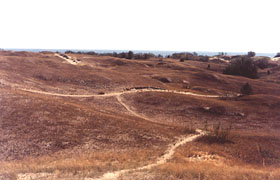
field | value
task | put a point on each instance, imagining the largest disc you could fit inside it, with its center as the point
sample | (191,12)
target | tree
(130,55)
(160,56)
(246,89)
(251,54)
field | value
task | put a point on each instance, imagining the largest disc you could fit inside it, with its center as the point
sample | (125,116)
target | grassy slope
(90,136)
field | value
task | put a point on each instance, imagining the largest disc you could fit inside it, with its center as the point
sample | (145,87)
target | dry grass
(241,159)
(83,165)
(82,137)
(208,171)
(256,149)
(251,112)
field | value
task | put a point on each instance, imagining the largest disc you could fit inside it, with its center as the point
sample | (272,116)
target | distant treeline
(188,56)
(131,55)
(181,56)
(126,55)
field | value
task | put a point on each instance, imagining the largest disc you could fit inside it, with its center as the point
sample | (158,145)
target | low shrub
(217,134)
(243,66)
(251,54)
(246,89)
(277,55)
(262,63)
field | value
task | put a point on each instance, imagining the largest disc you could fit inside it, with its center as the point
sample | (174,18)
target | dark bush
(203,58)
(277,55)
(251,54)
(91,53)
(242,66)
(126,55)
(246,89)
(69,52)
(262,63)
(268,72)
(189,56)
(130,55)
(184,56)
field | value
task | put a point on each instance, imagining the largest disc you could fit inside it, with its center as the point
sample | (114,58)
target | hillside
(81,116)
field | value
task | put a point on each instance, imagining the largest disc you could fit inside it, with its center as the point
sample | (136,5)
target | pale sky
(177,25)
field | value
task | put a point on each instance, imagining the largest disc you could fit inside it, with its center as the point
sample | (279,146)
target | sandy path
(70,60)
(131,111)
(122,92)
(128,108)
(114,175)
(163,159)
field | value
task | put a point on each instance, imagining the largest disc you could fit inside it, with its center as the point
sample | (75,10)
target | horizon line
(126,50)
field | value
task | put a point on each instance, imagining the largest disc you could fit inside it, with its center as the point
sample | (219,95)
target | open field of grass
(47,136)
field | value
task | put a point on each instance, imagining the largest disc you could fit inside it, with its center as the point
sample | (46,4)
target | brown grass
(208,171)
(82,165)
(82,137)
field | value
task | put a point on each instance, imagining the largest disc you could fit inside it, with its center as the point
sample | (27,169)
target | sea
(163,53)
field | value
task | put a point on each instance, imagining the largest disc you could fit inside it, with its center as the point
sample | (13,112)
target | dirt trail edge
(68,59)
(130,110)
(122,92)
(164,158)
(170,150)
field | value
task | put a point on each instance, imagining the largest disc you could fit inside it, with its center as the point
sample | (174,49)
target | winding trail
(163,159)
(129,109)
(122,92)
(172,147)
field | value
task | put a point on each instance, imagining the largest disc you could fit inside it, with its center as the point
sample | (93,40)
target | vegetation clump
(262,63)
(246,89)
(251,54)
(277,55)
(243,66)
(126,55)
(188,56)
(189,128)
(217,134)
